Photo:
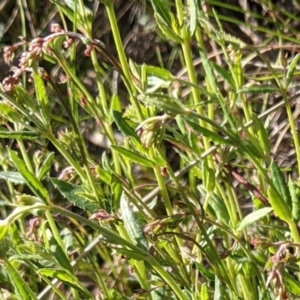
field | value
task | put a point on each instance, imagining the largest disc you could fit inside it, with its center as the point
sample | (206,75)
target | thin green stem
(122,57)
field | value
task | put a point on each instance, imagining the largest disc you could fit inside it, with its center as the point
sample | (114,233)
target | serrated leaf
(14,177)
(281,185)
(253,217)
(280,207)
(68,279)
(71,191)
(31,180)
(132,156)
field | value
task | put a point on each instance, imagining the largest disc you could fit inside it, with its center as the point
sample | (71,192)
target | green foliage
(182,141)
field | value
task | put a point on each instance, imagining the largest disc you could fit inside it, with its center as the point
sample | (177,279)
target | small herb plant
(187,198)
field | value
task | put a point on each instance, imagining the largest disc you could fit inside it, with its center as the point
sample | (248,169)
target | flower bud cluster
(152,130)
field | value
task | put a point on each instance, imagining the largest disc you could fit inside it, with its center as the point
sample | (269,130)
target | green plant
(78,225)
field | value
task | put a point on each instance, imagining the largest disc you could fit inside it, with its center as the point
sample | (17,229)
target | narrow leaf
(295,201)
(57,251)
(280,207)
(193,16)
(123,125)
(68,279)
(46,166)
(162,11)
(22,289)
(262,134)
(34,184)
(254,217)
(132,224)
(224,74)
(208,133)
(24,135)
(291,70)
(256,89)
(134,157)
(41,93)
(280,184)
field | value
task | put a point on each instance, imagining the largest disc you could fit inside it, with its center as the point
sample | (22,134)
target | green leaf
(224,74)
(254,216)
(21,287)
(68,279)
(23,97)
(280,207)
(217,206)
(281,185)
(57,251)
(291,283)
(24,135)
(46,166)
(82,18)
(262,134)
(167,30)
(3,232)
(123,125)
(70,192)
(193,16)
(42,96)
(115,295)
(164,103)
(158,72)
(208,133)
(261,88)
(209,177)
(295,201)
(132,225)
(10,113)
(132,156)
(104,175)
(162,11)
(34,184)
(204,292)
(14,177)
(116,104)
(291,70)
